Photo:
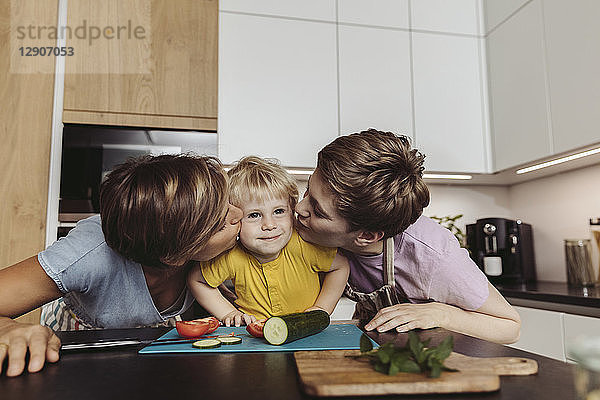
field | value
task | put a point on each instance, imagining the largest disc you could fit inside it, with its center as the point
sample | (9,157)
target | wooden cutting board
(332,373)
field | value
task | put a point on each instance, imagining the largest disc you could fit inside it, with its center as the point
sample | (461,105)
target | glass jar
(578,258)
(585,351)
(595,232)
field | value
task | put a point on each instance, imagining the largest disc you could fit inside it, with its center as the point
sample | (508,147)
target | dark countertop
(557,293)
(125,374)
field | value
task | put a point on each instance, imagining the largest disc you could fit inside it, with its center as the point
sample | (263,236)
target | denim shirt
(100,286)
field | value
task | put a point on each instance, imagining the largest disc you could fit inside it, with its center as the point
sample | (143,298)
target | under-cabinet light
(559,161)
(289,171)
(426,176)
(447,176)
(300,171)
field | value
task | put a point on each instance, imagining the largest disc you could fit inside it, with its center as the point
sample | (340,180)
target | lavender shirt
(429,265)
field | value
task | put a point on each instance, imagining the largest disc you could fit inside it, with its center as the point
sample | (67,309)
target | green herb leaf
(414,357)
(444,349)
(365,343)
(410,366)
(436,371)
(394,369)
(381,367)
(398,359)
(415,345)
(385,353)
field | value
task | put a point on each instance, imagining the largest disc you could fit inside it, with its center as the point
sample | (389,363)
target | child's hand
(237,317)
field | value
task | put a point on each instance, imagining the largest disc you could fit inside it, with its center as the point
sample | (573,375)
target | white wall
(473,202)
(558,207)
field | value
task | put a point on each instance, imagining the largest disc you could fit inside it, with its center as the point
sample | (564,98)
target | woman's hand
(18,338)
(405,317)
(237,318)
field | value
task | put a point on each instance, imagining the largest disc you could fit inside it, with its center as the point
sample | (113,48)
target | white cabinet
(541,332)
(277,88)
(518,101)
(292,78)
(497,11)
(577,325)
(573,56)
(388,13)
(374,79)
(456,16)
(323,10)
(449,100)
(481,85)
(543,63)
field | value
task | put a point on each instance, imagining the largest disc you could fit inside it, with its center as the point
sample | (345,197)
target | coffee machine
(503,249)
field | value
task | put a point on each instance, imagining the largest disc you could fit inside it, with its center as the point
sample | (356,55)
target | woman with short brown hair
(367,197)
(126,267)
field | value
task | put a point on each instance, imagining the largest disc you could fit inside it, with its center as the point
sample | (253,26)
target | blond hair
(377,180)
(160,211)
(255,178)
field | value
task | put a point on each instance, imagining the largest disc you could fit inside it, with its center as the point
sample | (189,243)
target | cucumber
(227,340)
(287,328)
(207,344)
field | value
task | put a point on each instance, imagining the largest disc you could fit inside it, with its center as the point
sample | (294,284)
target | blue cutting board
(334,337)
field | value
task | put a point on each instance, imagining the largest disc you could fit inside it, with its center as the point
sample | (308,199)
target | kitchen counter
(554,296)
(123,373)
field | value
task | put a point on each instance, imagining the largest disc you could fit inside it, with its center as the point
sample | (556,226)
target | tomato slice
(191,329)
(213,323)
(256,328)
(197,327)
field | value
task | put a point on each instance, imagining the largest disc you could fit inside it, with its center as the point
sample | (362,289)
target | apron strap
(388,271)
(388,262)
(389,293)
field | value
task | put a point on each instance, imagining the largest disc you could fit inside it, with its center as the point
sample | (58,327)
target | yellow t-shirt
(288,284)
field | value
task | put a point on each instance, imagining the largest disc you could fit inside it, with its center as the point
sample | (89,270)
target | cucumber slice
(277,331)
(227,340)
(207,344)
(286,328)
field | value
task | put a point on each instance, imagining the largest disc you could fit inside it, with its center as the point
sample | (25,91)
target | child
(274,271)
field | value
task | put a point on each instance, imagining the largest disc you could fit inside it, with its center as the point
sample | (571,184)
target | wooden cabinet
(164,74)
(25,131)
(277,88)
